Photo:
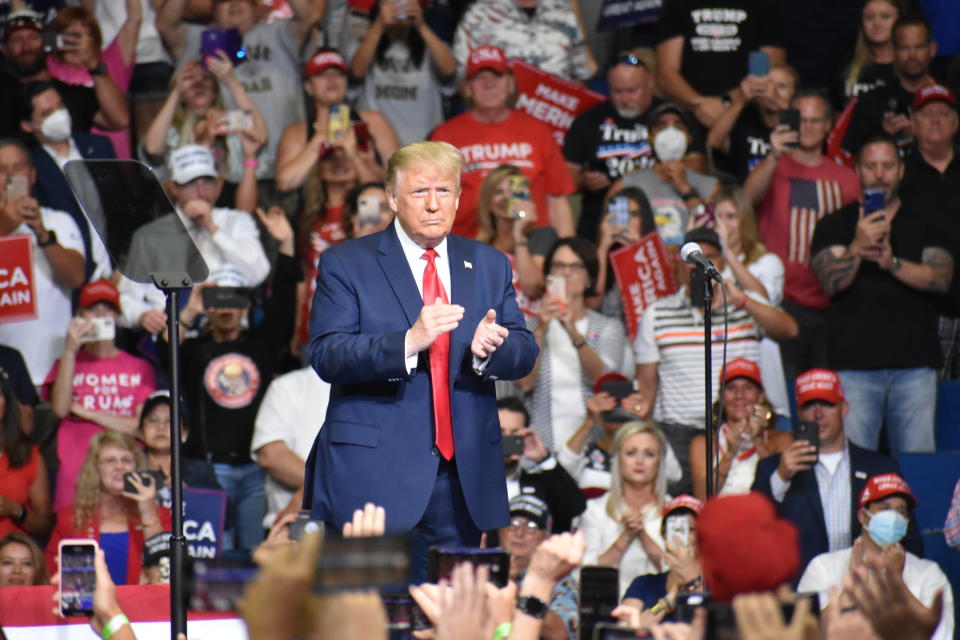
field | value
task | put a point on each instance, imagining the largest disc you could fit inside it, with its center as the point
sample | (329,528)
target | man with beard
(612,139)
(887,108)
(881,262)
(25,60)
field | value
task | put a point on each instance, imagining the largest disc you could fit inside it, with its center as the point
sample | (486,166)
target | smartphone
(557,288)
(379,563)
(599,596)
(873,201)
(338,122)
(896,107)
(78,576)
(618,211)
(368,210)
(518,204)
(809,431)
(401,6)
(758,63)
(103,329)
(303,524)
(443,560)
(403,612)
(607,631)
(225,297)
(68,41)
(791,118)
(678,527)
(362,132)
(227,40)
(512,446)
(237,120)
(697,283)
(147,478)
(17,186)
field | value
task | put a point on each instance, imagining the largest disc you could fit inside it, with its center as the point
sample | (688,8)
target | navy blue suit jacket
(376,444)
(52,190)
(801,505)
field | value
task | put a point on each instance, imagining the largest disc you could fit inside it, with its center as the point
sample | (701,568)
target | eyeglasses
(560,267)
(524,525)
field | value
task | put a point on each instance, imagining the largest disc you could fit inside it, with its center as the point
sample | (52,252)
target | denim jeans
(244,486)
(903,399)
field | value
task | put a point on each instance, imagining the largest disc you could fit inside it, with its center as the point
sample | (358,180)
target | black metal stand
(170,282)
(708,376)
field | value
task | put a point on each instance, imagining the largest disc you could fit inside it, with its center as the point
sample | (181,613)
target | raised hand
(434,319)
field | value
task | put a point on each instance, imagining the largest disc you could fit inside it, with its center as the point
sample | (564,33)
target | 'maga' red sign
(643,275)
(18,291)
(550,99)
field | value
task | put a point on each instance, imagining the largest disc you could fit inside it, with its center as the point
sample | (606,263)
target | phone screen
(557,288)
(104,328)
(442,562)
(758,63)
(78,577)
(338,122)
(517,204)
(599,596)
(619,211)
(873,200)
(678,528)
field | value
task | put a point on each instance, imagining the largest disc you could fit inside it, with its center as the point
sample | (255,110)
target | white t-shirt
(292,412)
(768,269)
(922,577)
(41,341)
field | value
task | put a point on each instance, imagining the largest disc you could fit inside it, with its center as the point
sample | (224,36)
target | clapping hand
(488,336)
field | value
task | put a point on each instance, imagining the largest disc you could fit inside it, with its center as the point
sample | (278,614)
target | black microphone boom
(691,254)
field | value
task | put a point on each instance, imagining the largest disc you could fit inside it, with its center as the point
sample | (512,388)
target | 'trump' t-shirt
(116,385)
(519,140)
(718,37)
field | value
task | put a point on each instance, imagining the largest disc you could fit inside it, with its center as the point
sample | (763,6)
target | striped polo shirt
(671,334)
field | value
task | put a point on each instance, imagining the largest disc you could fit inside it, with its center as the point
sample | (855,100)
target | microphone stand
(171,283)
(708,373)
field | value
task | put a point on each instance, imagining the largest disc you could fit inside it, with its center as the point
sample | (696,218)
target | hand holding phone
(17,185)
(101,328)
(78,576)
(518,204)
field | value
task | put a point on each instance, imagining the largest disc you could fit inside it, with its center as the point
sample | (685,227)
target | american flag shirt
(798,197)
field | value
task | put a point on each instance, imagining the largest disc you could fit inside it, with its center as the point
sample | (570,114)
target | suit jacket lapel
(398,275)
(858,480)
(462,283)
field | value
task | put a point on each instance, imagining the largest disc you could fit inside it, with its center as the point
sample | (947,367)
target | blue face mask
(886,527)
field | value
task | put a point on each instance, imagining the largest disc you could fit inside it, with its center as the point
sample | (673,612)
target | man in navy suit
(819,493)
(409,427)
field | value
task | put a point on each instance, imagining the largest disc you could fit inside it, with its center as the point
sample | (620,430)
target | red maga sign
(643,275)
(18,291)
(550,99)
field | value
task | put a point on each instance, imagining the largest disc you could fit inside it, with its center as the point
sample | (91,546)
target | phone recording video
(808,431)
(227,40)
(758,63)
(443,560)
(599,596)
(512,446)
(338,122)
(225,297)
(618,211)
(147,479)
(16,186)
(101,328)
(518,203)
(608,631)
(78,576)
(873,201)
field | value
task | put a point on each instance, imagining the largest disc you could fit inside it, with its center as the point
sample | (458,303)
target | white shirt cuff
(778,486)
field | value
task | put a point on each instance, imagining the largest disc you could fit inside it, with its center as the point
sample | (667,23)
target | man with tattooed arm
(882,263)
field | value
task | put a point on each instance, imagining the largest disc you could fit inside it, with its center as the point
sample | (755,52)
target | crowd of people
(815,166)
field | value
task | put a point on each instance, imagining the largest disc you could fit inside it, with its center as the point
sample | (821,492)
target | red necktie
(439,361)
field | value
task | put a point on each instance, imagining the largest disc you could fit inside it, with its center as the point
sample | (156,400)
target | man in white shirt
(885,505)
(286,426)
(58,262)
(228,239)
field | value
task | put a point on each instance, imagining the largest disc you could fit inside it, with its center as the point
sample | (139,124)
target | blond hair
(861,53)
(750,243)
(441,155)
(615,504)
(87,498)
(485,200)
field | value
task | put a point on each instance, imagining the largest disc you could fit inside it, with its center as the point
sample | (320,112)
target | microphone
(690,253)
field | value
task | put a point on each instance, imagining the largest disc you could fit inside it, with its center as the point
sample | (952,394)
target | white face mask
(57,125)
(670,143)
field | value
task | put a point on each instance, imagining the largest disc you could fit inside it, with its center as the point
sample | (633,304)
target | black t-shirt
(224,382)
(749,142)
(871,76)
(718,37)
(81,102)
(602,140)
(867,118)
(879,322)
(13,367)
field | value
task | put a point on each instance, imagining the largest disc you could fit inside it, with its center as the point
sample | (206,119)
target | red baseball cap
(99,291)
(933,93)
(610,376)
(323,60)
(487,57)
(818,384)
(683,501)
(885,485)
(744,546)
(741,368)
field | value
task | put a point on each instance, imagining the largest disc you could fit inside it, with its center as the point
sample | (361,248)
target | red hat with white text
(323,60)
(885,485)
(818,384)
(99,291)
(932,93)
(742,368)
(487,57)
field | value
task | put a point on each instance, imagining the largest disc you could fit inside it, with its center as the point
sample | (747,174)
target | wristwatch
(895,264)
(51,239)
(532,606)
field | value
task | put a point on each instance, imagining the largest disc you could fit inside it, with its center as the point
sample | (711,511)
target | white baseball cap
(190,162)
